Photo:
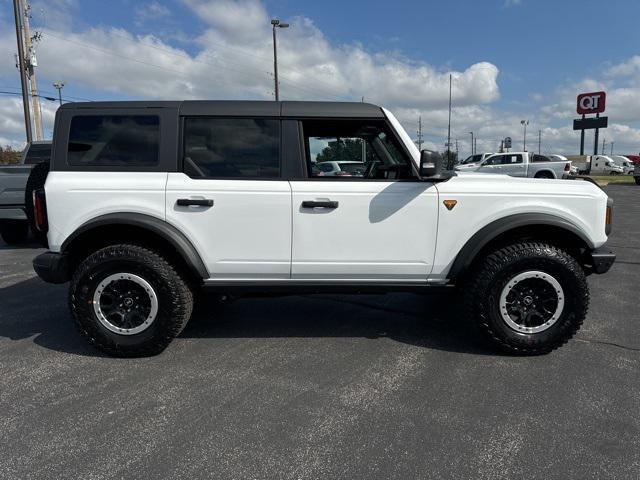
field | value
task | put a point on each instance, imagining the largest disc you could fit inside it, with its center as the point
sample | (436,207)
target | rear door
(377,225)
(230,199)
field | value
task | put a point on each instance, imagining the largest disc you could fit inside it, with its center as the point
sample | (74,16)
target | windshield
(471,159)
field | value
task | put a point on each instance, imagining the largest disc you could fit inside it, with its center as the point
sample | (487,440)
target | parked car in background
(15,211)
(561,158)
(635,159)
(520,164)
(595,165)
(627,165)
(341,169)
(474,160)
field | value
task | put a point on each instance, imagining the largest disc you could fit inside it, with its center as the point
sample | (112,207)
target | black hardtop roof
(244,107)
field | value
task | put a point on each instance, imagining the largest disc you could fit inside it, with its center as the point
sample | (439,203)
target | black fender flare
(486,234)
(168,232)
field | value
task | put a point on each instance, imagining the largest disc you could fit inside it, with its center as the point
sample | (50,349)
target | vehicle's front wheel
(129,301)
(529,298)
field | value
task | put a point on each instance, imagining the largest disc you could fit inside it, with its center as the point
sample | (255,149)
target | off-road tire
(14,232)
(175,299)
(36,181)
(486,281)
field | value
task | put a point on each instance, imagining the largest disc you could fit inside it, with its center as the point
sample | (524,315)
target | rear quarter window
(114,140)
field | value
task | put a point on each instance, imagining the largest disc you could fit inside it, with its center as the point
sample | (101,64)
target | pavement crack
(611,344)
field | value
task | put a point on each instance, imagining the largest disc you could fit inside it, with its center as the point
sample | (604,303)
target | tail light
(40,210)
(567,167)
(608,217)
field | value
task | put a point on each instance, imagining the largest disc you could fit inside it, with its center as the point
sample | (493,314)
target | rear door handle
(194,202)
(319,204)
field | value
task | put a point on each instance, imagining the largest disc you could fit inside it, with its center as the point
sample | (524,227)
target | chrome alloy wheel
(531,302)
(125,303)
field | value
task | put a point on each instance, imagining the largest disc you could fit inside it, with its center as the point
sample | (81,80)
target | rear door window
(114,140)
(231,148)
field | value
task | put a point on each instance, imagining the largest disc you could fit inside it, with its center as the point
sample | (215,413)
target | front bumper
(52,267)
(601,259)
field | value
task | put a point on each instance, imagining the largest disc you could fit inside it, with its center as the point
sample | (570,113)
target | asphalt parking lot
(392,386)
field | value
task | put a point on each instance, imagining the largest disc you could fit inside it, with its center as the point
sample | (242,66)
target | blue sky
(510,59)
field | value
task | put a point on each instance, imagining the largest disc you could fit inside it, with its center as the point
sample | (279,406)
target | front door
(373,221)
(229,199)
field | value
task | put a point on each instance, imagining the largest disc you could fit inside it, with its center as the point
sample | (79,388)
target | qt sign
(593,102)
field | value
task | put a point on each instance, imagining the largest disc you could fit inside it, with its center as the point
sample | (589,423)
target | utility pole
(420,133)
(524,123)
(457,154)
(21,67)
(59,86)
(449,166)
(603,144)
(472,152)
(539,141)
(31,64)
(611,149)
(276,23)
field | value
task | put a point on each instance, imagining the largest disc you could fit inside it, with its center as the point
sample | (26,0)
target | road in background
(323,386)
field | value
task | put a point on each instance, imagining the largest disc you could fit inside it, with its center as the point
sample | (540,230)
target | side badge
(450,204)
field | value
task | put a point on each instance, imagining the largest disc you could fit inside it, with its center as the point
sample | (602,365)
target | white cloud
(151,11)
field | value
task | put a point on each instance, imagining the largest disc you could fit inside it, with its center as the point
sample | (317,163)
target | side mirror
(430,163)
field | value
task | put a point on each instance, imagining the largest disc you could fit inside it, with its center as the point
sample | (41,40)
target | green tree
(343,149)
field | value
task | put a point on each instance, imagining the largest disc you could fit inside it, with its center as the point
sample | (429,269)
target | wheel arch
(137,228)
(546,171)
(540,226)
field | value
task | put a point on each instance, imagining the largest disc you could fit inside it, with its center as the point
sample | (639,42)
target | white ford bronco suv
(148,203)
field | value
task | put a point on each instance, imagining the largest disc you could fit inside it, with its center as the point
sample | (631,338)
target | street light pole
(524,138)
(276,23)
(59,86)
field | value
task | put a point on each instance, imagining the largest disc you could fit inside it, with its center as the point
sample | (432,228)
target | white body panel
(381,231)
(245,235)
(483,199)
(74,198)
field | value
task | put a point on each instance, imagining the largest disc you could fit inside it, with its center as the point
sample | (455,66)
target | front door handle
(194,202)
(319,204)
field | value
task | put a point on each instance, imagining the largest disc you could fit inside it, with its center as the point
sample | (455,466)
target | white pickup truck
(519,164)
(148,203)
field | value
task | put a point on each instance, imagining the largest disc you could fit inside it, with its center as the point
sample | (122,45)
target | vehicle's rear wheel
(36,181)
(129,301)
(543,175)
(529,298)
(14,232)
